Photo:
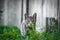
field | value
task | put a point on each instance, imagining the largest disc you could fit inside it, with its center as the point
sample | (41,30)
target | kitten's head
(31,19)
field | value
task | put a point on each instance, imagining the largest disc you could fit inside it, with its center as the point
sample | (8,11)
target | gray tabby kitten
(26,23)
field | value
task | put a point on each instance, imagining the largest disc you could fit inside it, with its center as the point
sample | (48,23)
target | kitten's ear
(26,15)
(34,17)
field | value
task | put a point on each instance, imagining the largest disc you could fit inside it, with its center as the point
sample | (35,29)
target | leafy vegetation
(9,33)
